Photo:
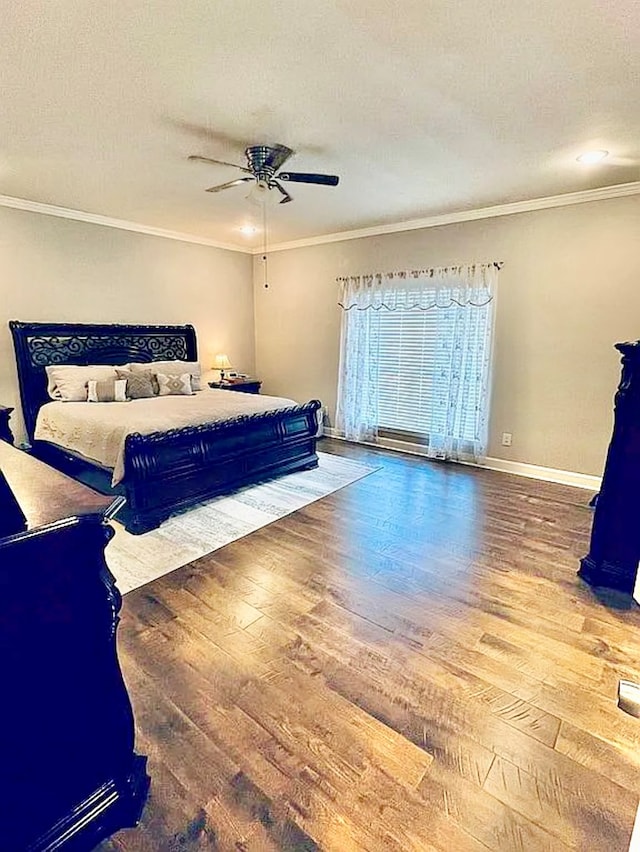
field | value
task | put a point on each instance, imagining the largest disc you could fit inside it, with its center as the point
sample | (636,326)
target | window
(415,356)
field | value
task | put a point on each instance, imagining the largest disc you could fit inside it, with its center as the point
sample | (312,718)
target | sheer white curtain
(461,300)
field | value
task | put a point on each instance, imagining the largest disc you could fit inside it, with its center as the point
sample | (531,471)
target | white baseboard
(549,474)
(532,471)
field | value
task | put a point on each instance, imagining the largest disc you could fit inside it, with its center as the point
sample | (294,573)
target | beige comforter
(98,430)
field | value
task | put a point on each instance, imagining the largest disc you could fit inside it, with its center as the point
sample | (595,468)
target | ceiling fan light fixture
(248,230)
(259,193)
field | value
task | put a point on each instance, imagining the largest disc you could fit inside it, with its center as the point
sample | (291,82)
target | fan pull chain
(264,245)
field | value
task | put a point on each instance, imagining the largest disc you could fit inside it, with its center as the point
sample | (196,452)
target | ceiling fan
(263,165)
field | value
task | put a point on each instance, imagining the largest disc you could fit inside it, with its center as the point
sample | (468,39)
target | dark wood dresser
(614,551)
(69,773)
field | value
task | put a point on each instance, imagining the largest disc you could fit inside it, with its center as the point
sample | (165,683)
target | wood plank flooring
(408,664)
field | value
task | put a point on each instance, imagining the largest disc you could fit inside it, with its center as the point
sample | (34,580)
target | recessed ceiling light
(591,157)
(248,230)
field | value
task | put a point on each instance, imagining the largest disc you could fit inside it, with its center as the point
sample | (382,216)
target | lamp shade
(221,362)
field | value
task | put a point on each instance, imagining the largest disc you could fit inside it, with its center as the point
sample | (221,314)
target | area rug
(138,559)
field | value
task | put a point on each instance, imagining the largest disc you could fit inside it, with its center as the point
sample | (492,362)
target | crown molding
(583,196)
(603,193)
(109,222)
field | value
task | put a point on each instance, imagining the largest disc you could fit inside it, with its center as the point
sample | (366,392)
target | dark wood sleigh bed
(165,472)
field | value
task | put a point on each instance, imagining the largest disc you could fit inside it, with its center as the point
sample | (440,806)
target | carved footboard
(173,470)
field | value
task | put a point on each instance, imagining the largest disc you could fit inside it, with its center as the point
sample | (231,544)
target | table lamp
(222,363)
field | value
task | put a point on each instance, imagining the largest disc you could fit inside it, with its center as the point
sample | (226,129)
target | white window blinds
(411,347)
(405,342)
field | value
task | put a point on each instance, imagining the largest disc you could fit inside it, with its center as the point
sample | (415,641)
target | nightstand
(5,429)
(242,385)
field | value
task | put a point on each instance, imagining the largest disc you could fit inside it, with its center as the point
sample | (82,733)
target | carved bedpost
(614,552)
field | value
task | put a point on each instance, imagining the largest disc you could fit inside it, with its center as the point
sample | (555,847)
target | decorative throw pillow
(173,368)
(68,382)
(107,390)
(139,385)
(145,368)
(174,385)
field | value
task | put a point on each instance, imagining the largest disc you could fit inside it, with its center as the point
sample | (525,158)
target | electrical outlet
(506,439)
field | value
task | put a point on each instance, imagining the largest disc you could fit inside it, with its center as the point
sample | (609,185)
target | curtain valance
(420,289)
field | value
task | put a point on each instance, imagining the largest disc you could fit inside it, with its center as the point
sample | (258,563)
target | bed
(167,470)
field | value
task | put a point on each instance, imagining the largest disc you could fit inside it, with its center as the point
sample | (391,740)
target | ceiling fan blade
(286,197)
(216,162)
(305,177)
(278,157)
(229,184)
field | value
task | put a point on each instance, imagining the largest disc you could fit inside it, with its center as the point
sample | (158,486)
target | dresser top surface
(44,494)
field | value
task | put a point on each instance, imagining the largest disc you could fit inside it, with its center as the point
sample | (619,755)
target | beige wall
(569,290)
(59,270)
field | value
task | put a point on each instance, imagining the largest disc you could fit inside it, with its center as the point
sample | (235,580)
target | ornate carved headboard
(38,344)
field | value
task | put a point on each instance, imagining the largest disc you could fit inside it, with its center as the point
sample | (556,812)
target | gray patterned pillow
(174,385)
(172,368)
(139,385)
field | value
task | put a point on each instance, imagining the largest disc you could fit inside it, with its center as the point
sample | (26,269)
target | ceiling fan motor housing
(264,160)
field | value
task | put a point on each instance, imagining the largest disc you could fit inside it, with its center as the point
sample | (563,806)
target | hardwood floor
(408,664)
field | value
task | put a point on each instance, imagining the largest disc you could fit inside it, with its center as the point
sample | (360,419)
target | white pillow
(172,368)
(174,385)
(68,382)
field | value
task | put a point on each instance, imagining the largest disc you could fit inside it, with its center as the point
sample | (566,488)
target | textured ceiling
(421,107)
